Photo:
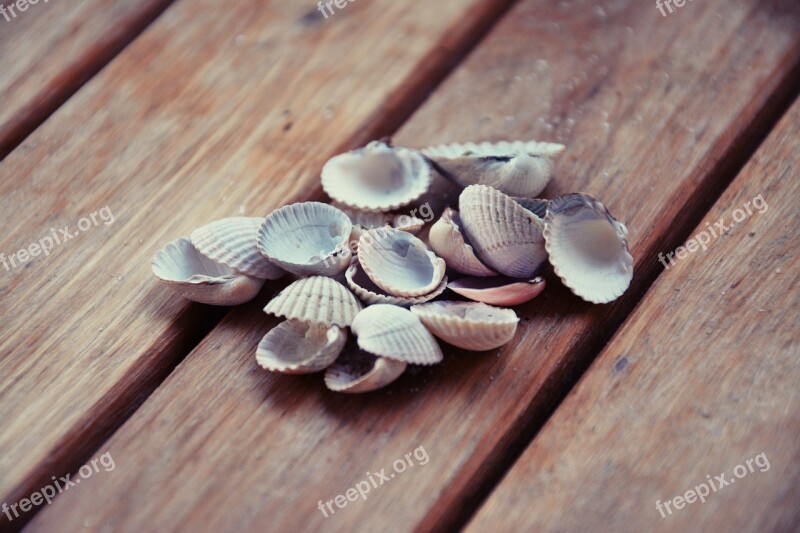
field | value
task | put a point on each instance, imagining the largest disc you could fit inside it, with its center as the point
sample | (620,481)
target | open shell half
(234,242)
(369,293)
(295,347)
(468,325)
(498,290)
(357,371)
(449,243)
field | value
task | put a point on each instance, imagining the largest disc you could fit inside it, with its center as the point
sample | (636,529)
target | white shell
(537,206)
(318,300)
(295,347)
(588,248)
(468,325)
(307,239)
(515,168)
(499,290)
(365,219)
(358,371)
(369,293)
(449,243)
(377,177)
(394,332)
(201,279)
(505,235)
(234,242)
(400,263)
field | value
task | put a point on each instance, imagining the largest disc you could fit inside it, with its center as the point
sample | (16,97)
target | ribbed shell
(198,278)
(588,248)
(362,372)
(468,325)
(505,235)
(400,263)
(295,347)
(369,293)
(234,242)
(449,243)
(318,300)
(394,332)
(308,238)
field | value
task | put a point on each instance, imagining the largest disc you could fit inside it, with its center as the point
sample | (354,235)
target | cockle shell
(505,235)
(499,290)
(234,242)
(357,371)
(369,293)
(394,332)
(468,325)
(377,178)
(295,347)
(588,248)
(537,206)
(201,279)
(448,242)
(515,168)
(318,300)
(307,239)
(400,263)
(366,219)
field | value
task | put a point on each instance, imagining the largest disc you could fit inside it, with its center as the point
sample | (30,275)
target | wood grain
(702,378)
(49,50)
(217,110)
(651,109)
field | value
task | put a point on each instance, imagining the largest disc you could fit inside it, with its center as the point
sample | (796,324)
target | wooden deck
(170,114)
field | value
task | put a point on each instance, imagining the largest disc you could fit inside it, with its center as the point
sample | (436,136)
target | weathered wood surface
(652,108)
(49,50)
(218,109)
(701,379)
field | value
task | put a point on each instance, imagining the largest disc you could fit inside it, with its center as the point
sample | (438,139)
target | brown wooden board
(219,109)
(50,49)
(702,378)
(652,109)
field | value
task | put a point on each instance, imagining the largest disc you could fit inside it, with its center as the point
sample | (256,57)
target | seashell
(505,235)
(515,168)
(307,239)
(234,242)
(295,347)
(318,300)
(449,243)
(369,293)
(468,325)
(400,263)
(588,248)
(408,223)
(357,371)
(201,279)
(366,219)
(396,333)
(377,177)
(498,290)
(537,206)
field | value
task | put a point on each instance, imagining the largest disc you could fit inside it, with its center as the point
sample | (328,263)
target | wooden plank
(223,444)
(701,379)
(218,109)
(49,50)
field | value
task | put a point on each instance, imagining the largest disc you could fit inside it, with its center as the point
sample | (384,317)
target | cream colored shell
(468,325)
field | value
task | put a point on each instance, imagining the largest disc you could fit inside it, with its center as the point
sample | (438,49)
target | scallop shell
(201,279)
(234,242)
(588,248)
(408,223)
(318,300)
(307,239)
(400,263)
(505,235)
(369,293)
(499,290)
(468,325)
(394,332)
(377,177)
(515,168)
(449,243)
(357,371)
(295,347)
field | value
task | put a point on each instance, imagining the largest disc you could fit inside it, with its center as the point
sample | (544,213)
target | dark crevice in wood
(198,321)
(60,89)
(562,381)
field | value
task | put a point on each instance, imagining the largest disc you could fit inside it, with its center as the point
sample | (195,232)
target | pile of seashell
(362,266)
